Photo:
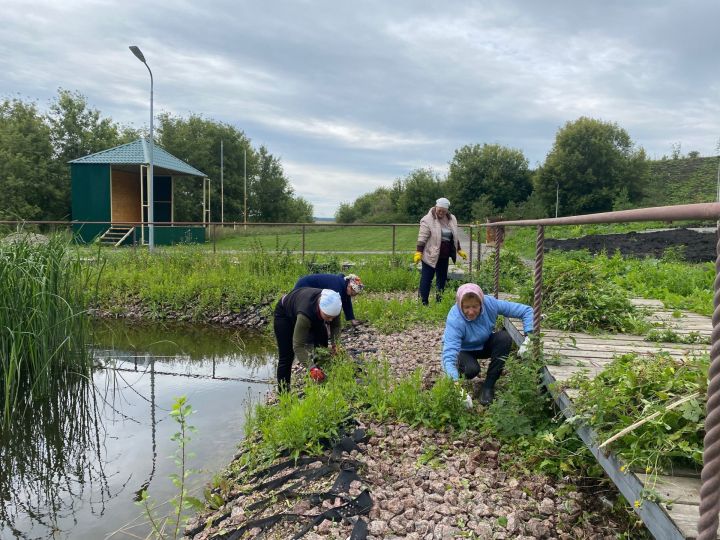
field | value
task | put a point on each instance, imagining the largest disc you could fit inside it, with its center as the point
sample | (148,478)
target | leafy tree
(483,208)
(345,213)
(378,206)
(76,130)
(196,140)
(273,196)
(418,192)
(532,208)
(26,179)
(591,162)
(499,173)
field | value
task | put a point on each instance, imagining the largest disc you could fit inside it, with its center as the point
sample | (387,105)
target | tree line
(35,148)
(593,166)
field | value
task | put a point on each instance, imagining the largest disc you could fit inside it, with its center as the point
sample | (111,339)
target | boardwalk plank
(573,353)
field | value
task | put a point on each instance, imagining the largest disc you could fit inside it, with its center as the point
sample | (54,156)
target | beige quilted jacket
(430,236)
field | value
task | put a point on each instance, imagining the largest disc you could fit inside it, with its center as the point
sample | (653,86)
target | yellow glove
(417,257)
(462,253)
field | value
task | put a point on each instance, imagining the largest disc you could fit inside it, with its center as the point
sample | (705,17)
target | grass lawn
(321,238)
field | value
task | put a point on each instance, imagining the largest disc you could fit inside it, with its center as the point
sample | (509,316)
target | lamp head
(138,53)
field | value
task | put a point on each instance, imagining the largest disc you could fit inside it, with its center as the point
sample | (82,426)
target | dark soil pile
(691,246)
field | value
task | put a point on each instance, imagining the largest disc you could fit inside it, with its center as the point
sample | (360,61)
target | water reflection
(49,459)
(71,466)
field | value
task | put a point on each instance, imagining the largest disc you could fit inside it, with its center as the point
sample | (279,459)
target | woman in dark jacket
(299,325)
(348,287)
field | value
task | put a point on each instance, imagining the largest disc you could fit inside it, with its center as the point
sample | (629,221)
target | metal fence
(216,233)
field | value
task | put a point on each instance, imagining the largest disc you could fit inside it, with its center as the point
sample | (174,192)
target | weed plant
(169,526)
(669,336)
(302,422)
(43,322)
(578,296)
(396,314)
(521,418)
(514,275)
(679,285)
(634,387)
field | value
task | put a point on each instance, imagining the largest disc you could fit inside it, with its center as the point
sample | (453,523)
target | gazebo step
(115,235)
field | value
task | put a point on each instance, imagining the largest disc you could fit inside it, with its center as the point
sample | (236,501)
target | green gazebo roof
(138,153)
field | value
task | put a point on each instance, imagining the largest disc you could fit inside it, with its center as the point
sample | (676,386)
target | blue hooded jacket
(464,335)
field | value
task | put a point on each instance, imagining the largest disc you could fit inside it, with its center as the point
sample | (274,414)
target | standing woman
(437,243)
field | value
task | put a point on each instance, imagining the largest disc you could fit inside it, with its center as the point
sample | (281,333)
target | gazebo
(109,188)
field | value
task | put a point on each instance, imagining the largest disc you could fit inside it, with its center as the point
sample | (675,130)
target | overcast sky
(353,95)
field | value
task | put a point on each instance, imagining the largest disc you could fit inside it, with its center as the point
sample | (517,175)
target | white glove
(524,346)
(467,398)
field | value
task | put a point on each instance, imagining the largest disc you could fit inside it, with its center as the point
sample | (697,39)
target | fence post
(303,243)
(537,299)
(499,235)
(471,252)
(393,245)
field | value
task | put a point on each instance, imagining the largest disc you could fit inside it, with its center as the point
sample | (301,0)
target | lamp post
(151,178)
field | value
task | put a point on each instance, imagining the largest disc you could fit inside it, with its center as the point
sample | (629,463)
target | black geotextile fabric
(347,473)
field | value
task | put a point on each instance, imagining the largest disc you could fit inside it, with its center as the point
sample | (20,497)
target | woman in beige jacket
(437,243)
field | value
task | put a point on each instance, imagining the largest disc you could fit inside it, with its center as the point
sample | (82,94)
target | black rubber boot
(487,394)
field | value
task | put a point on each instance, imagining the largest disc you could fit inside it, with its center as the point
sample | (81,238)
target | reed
(43,322)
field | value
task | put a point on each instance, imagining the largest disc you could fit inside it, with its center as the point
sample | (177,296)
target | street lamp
(151,178)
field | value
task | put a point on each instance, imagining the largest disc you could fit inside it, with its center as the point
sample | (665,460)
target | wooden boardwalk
(576,352)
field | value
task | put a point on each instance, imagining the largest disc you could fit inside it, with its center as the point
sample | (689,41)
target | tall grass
(192,283)
(43,325)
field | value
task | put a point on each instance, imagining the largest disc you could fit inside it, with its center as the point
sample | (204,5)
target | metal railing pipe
(703,211)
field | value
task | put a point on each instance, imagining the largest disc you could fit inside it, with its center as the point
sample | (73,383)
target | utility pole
(222,193)
(557,198)
(245,175)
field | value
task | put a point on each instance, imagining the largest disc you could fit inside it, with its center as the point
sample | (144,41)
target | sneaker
(487,394)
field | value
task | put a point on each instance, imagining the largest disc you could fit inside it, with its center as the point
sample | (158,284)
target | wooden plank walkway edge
(656,519)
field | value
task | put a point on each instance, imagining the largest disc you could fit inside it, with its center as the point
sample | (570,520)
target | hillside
(682,181)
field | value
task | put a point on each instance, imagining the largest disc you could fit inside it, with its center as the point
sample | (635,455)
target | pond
(72,467)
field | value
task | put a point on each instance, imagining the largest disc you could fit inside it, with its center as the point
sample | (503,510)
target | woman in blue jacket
(348,287)
(469,335)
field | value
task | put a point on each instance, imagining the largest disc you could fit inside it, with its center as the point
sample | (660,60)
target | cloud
(327,187)
(354,96)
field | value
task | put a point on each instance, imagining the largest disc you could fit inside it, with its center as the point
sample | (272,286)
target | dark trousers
(440,272)
(284,327)
(497,347)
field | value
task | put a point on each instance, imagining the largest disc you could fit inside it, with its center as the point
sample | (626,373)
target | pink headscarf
(468,288)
